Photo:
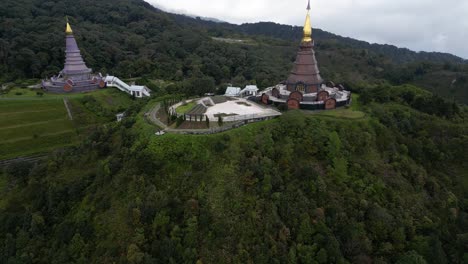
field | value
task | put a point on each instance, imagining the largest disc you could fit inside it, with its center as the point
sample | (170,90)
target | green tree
(322,256)
(411,257)
(18,172)
(334,146)
(77,247)
(134,254)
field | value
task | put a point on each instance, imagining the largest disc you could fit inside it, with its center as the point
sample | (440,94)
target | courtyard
(236,109)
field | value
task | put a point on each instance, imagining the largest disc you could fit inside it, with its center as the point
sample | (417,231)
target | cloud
(437,25)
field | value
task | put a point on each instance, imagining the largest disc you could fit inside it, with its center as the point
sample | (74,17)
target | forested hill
(398,55)
(294,33)
(384,180)
(388,187)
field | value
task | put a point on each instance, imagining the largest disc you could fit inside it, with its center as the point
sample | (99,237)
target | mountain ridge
(293,33)
(422,55)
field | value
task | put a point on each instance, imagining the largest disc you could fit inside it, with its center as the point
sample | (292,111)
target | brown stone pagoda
(304,88)
(305,75)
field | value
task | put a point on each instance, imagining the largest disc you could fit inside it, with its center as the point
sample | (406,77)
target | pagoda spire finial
(307,26)
(68,30)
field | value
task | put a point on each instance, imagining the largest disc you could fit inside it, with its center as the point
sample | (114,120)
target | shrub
(19,171)
(283,107)
(179,120)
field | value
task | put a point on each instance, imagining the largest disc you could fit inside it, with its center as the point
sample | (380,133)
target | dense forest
(390,187)
(387,188)
(130,38)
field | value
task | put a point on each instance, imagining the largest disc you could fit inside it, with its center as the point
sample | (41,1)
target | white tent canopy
(249,90)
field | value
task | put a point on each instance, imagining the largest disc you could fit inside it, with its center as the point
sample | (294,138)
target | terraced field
(33,126)
(32,123)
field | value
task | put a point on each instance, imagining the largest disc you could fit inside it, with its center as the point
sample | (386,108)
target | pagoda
(75,76)
(305,75)
(305,88)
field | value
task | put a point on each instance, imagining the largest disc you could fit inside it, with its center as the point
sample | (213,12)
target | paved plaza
(239,109)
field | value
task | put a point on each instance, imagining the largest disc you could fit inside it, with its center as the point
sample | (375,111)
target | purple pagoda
(76,76)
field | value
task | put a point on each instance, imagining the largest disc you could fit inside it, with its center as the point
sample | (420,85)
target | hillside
(36,123)
(384,188)
(381,181)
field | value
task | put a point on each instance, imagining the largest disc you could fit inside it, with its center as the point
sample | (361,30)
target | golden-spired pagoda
(305,88)
(75,76)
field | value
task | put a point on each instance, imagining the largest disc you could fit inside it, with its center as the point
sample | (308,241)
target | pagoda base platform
(70,86)
(326,98)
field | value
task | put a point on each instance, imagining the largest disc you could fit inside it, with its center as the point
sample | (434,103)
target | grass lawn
(343,113)
(42,144)
(31,124)
(31,94)
(185,108)
(351,112)
(107,103)
(35,130)
(355,103)
(113,99)
(27,117)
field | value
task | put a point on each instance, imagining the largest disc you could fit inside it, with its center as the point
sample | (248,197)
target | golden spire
(307,27)
(69,30)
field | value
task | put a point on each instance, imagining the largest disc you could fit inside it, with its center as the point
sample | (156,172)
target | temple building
(305,88)
(75,76)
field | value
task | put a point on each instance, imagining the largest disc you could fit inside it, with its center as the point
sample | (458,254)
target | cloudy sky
(429,25)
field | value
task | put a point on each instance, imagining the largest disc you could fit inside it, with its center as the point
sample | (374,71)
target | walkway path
(153,116)
(66,102)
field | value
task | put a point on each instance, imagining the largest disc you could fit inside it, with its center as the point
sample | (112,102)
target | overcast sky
(429,25)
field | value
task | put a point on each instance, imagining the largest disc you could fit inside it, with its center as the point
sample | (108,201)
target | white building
(233,91)
(249,90)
